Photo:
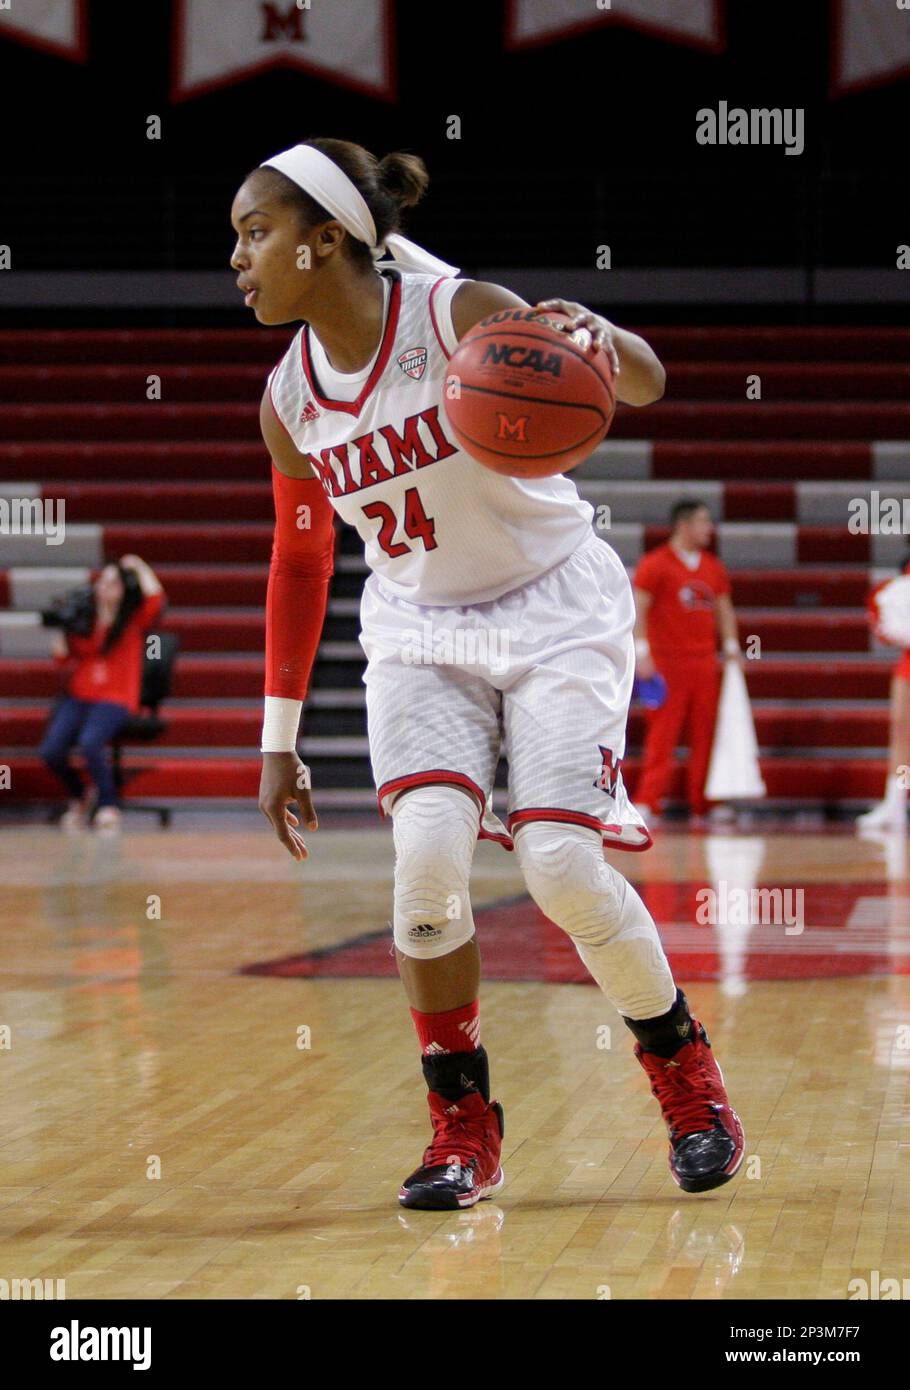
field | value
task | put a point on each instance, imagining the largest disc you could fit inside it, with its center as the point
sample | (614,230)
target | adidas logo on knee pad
(424,932)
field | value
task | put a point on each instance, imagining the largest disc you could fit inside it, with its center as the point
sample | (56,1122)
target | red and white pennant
(56,26)
(217,42)
(222,41)
(870,44)
(698,22)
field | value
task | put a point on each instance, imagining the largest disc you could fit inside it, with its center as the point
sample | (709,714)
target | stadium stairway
(184,482)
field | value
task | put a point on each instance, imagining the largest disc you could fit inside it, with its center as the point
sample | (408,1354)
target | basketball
(532,399)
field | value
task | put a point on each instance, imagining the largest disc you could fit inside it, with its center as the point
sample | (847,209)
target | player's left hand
(603,333)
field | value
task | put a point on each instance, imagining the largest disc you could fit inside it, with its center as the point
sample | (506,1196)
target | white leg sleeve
(435,829)
(614,933)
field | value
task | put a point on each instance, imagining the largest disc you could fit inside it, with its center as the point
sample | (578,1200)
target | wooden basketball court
(209,1085)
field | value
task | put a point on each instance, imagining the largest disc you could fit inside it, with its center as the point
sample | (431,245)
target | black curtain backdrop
(563,147)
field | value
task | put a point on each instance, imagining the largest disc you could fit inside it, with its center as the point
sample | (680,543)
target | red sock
(456,1030)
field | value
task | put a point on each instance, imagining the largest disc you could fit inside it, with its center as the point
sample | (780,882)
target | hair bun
(403,177)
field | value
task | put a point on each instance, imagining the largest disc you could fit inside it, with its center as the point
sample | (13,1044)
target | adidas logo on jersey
(309,413)
(413,362)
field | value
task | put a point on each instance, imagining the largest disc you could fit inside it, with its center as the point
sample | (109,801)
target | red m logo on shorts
(609,772)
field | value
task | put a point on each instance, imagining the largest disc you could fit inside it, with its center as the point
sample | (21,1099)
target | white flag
(222,41)
(734,773)
(686,21)
(57,26)
(871,43)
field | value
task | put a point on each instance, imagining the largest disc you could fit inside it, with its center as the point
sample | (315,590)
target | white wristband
(731,647)
(280,722)
(642,646)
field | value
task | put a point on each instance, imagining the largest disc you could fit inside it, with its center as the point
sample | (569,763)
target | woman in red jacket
(103,691)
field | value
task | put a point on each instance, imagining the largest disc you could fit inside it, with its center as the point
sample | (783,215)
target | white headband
(322,178)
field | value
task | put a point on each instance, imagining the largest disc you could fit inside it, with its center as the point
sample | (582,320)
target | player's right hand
(285,779)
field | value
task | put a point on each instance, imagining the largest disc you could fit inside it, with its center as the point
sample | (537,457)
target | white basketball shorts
(542,675)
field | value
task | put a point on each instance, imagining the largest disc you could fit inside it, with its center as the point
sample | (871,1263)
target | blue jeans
(90,725)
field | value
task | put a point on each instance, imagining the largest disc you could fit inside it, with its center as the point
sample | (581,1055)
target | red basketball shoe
(707,1143)
(461,1165)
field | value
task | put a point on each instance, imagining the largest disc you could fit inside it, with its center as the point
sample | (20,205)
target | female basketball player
(889,613)
(353,418)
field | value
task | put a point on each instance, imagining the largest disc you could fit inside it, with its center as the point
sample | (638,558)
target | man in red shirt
(682,599)
(104,688)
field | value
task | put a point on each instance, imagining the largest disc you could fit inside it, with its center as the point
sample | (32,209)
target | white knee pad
(435,829)
(614,933)
(569,879)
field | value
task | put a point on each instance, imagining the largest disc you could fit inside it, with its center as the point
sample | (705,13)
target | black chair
(146,726)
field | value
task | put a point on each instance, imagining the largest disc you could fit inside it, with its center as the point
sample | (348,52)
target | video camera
(74,611)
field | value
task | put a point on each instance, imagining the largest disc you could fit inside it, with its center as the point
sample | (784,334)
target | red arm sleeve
(303,561)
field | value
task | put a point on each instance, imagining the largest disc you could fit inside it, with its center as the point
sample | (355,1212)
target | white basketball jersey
(437,527)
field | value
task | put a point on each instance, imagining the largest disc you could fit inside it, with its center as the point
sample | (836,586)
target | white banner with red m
(56,26)
(222,41)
